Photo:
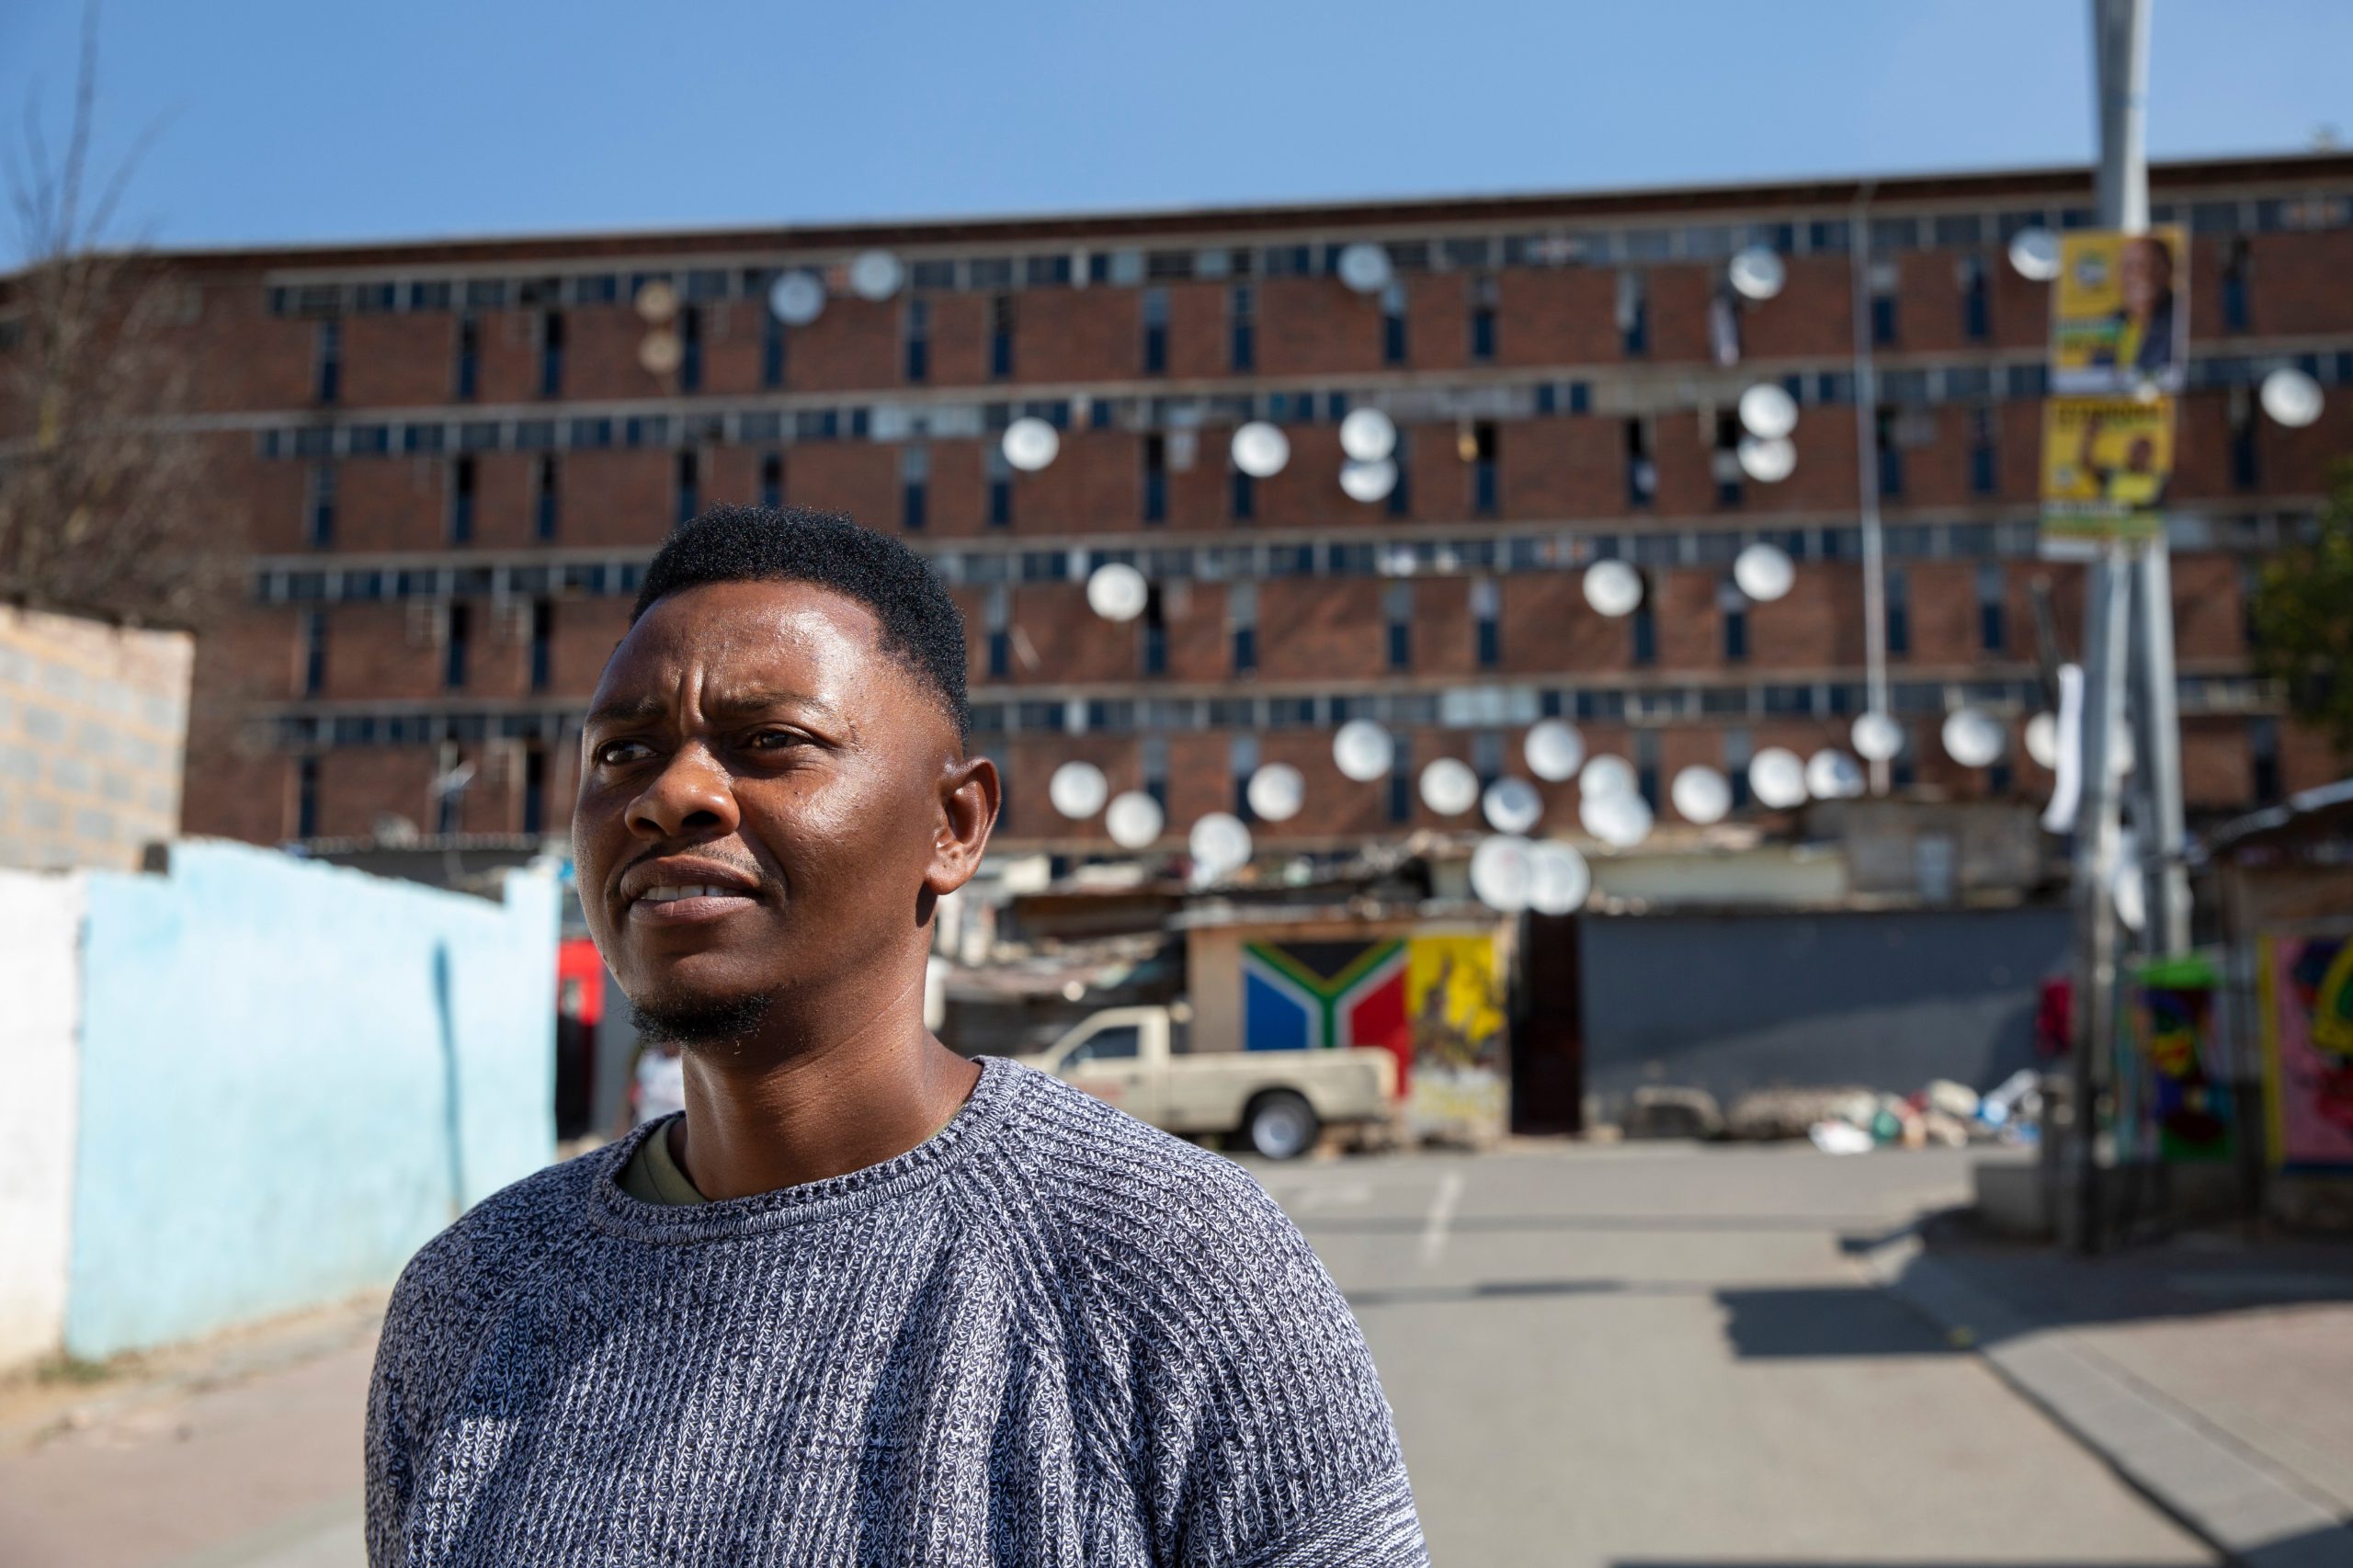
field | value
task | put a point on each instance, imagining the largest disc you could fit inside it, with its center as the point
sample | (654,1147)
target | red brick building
(454,464)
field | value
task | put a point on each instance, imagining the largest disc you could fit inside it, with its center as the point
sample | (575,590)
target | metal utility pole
(2121,50)
(1867,488)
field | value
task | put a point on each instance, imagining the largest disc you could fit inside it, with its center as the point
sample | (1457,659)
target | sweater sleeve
(392,1475)
(1261,1437)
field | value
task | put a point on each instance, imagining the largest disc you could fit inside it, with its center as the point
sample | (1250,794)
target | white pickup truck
(1277,1100)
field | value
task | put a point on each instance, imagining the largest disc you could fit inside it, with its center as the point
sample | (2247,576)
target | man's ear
(970,792)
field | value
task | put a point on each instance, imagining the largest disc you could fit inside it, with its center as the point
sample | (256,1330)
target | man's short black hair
(922,628)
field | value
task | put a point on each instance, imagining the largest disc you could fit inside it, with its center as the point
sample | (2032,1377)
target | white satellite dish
(1767,411)
(1260,450)
(1363,750)
(1777,778)
(876,275)
(1030,443)
(1220,843)
(1368,435)
(1503,873)
(1134,820)
(1116,591)
(1612,587)
(1512,805)
(1554,750)
(1277,791)
(1365,268)
(1620,821)
(660,352)
(1973,737)
(1767,463)
(2291,397)
(1877,736)
(1369,482)
(656,302)
(2035,253)
(1757,272)
(1078,789)
(1701,795)
(1560,879)
(1764,572)
(1832,774)
(796,299)
(2042,740)
(1449,787)
(1606,775)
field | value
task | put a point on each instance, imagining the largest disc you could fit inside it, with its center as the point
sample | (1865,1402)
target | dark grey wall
(1886,1000)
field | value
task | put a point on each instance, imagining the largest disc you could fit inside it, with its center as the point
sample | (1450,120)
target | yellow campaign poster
(2120,311)
(2106,463)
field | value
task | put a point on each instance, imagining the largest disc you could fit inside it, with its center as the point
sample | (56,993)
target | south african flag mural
(1320,995)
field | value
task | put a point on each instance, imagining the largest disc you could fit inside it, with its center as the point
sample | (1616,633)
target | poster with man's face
(2120,312)
(2106,466)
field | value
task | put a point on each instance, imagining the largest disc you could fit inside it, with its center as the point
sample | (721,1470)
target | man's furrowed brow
(627,709)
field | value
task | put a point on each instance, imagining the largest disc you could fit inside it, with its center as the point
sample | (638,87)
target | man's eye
(773,739)
(617,753)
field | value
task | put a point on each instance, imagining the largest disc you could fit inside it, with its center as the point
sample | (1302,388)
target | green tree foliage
(2303,620)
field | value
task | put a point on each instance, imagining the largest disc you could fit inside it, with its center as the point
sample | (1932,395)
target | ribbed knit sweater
(1048,1334)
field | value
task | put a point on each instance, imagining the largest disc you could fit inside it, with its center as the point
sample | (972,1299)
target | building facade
(454,461)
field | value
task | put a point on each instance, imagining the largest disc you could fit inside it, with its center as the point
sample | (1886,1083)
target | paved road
(1659,1356)
(1649,1357)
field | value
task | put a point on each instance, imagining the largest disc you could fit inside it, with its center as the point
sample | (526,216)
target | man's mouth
(680,904)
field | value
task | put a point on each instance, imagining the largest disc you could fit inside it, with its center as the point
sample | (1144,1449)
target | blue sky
(319,120)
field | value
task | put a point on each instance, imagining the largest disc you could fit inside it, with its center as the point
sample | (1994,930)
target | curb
(2228,1495)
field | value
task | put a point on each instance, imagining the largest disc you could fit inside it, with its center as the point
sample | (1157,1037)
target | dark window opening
(1645,630)
(1245,650)
(690,348)
(1244,492)
(1483,321)
(772,480)
(329,382)
(1899,615)
(543,643)
(1485,490)
(2244,466)
(322,512)
(314,652)
(545,500)
(535,791)
(1891,456)
(2263,754)
(1725,461)
(1000,337)
(1155,332)
(1976,307)
(1985,472)
(469,376)
(1242,328)
(2235,291)
(915,358)
(1000,655)
(1155,649)
(1883,320)
(689,485)
(1393,324)
(1734,606)
(551,354)
(1633,314)
(772,339)
(1993,629)
(1000,489)
(915,487)
(462,501)
(1400,782)
(306,798)
(457,623)
(1155,478)
(1642,472)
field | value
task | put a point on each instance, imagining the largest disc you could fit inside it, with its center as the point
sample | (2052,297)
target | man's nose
(691,797)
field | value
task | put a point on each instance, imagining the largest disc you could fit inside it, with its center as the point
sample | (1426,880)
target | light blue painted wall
(292,1076)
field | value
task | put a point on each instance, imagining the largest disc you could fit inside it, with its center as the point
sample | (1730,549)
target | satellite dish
(1365,268)
(1134,820)
(1605,776)
(1116,591)
(1777,778)
(1260,450)
(1767,411)
(1368,435)
(1277,791)
(1220,843)
(1619,821)
(876,275)
(2042,740)
(1832,774)
(2035,253)
(1369,482)
(1973,737)
(1554,749)
(1559,879)
(660,351)
(1877,736)
(1612,587)
(1363,750)
(1757,272)
(1449,787)
(796,299)
(1512,805)
(1030,443)
(2291,397)
(1078,789)
(2126,887)
(1701,795)
(1767,463)
(656,302)
(1501,873)
(1764,572)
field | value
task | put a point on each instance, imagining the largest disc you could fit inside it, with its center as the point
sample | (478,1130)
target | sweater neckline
(983,1111)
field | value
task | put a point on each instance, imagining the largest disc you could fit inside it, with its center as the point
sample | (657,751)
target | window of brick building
(1976,298)
(1899,612)
(1884,281)
(546,495)
(688,483)
(1401,780)
(1984,466)
(1904,767)
(461,500)
(772,340)
(306,798)
(1723,460)
(1887,422)
(1400,495)
(2235,310)
(772,480)
(2243,467)
(1643,628)
(1242,495)
(1242,761)
(1646,765)
(1156,478)
(543,643)
(1633,313)
(319,515)
(1732,609)
(916,339)
(535,791)
(1993,632)
(326,384)
(315,652)
(551,353)
(1241,622)
(468,378)
(999,472)
(1487,756)
(2263,758)
(1486,621)
(1154,755)
(1486,487)
(1152,652)
(457,623)
(1156,331)
(690,348)
(1397,609)
(997,616)
(1484,296)
(915,487)
(1393,323)
(1642,472)
(1000,337)
(1242,327)
(1739,749)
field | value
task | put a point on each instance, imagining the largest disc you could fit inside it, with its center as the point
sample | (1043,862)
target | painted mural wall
(2307,1017)
(290,1076)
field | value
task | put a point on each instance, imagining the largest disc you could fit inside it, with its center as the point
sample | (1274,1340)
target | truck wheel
(1280,1125)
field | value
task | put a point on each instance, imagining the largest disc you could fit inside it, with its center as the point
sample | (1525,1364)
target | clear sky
(315,120)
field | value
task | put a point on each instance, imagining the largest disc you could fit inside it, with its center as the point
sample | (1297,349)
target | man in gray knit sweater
(864,1301)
